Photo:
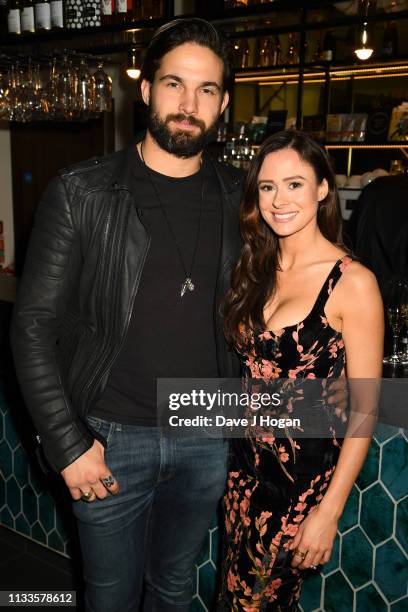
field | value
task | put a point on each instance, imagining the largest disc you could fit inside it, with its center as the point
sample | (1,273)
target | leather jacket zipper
(102,366)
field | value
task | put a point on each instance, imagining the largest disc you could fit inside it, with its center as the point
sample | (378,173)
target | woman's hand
(315,538)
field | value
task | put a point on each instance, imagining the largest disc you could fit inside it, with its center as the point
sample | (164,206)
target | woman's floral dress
(274,482)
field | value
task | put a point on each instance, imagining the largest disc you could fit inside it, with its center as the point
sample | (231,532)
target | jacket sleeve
(52,264)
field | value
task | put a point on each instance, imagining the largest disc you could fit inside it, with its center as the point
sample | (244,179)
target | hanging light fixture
(133,63)
(364,51)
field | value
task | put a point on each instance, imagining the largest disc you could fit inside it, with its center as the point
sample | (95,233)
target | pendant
(188,284)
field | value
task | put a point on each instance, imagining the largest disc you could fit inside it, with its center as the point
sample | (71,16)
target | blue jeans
(151,533)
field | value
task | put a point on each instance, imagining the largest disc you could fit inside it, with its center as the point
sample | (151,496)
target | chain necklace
(188,283)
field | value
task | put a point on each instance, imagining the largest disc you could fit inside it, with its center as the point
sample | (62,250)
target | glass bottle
(107,12)
(13,17)
(83,94)
(318,54)
(102,90)
(242,55)
(42,15)
(277,52)
(57,14)
(265,53)
(137,10)
(293,56)
(27,16)
(390,46)
(124,11)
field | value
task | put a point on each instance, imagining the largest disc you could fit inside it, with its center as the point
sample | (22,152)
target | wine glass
(395,299)
(102,90)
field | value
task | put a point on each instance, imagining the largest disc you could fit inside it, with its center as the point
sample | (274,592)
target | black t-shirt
(168,336)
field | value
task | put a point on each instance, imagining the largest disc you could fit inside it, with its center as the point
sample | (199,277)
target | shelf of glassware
(319,72)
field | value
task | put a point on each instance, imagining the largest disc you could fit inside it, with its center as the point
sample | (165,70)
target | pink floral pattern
(275,482)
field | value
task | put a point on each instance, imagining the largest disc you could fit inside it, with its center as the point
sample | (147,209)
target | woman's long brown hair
(254,278)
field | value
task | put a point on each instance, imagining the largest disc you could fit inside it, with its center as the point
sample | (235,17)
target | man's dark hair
(181,31)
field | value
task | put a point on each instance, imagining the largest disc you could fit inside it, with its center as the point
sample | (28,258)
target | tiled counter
(369,567)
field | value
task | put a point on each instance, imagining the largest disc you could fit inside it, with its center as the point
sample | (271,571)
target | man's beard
(179,142)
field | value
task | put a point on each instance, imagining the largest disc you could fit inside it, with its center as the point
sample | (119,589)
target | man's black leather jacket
(83,267)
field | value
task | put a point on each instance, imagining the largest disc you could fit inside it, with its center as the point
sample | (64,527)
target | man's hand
(84,477)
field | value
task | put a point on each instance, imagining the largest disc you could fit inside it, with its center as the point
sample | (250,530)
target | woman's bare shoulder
(357,277)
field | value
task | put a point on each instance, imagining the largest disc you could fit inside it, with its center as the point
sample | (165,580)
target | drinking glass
(83,90)
(395,299)
(102,90)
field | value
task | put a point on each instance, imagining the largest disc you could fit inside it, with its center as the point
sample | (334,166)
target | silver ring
(314,567)
(109,481)
(86,496)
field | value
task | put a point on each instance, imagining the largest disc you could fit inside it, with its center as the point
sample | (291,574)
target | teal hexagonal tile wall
(13,496)
(377,513)
(391,571)
(338,594)
(357,568)
(369,473)
(400,606)
(394,467)
(349,518)
(401,526)
(312,593)
(368,598)
(334,562)
(6,460)
(373,528)
(384,432)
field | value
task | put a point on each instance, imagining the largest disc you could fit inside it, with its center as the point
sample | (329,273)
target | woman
(299,307)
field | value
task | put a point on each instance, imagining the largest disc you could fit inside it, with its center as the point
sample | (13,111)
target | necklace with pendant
(188,283)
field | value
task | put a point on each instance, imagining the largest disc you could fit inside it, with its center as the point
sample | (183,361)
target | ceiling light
(133,63)
(365,51)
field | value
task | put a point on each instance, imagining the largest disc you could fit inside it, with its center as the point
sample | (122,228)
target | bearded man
(129,258)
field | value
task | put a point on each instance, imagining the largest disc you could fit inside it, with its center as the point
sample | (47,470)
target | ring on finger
(109,481)
(86,496)
(300,553)
(313,567)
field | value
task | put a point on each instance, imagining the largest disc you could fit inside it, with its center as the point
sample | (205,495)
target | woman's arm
(360,308)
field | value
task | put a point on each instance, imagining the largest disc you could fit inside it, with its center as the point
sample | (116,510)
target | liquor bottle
(42,15)
(329,46)
(13,17)
(137,10)
(277,52)
(265,52)
(91,13)
(57,14)
(242,54)
(292,57)
(318,54)
(107,12)
(73,14)
(390,45)
(27,16)
(124,11)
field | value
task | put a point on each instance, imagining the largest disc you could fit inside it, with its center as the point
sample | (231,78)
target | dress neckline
(280,331)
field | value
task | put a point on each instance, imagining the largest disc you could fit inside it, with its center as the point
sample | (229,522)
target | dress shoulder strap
(331,281)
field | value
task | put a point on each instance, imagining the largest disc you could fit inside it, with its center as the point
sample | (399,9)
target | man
(129,258)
